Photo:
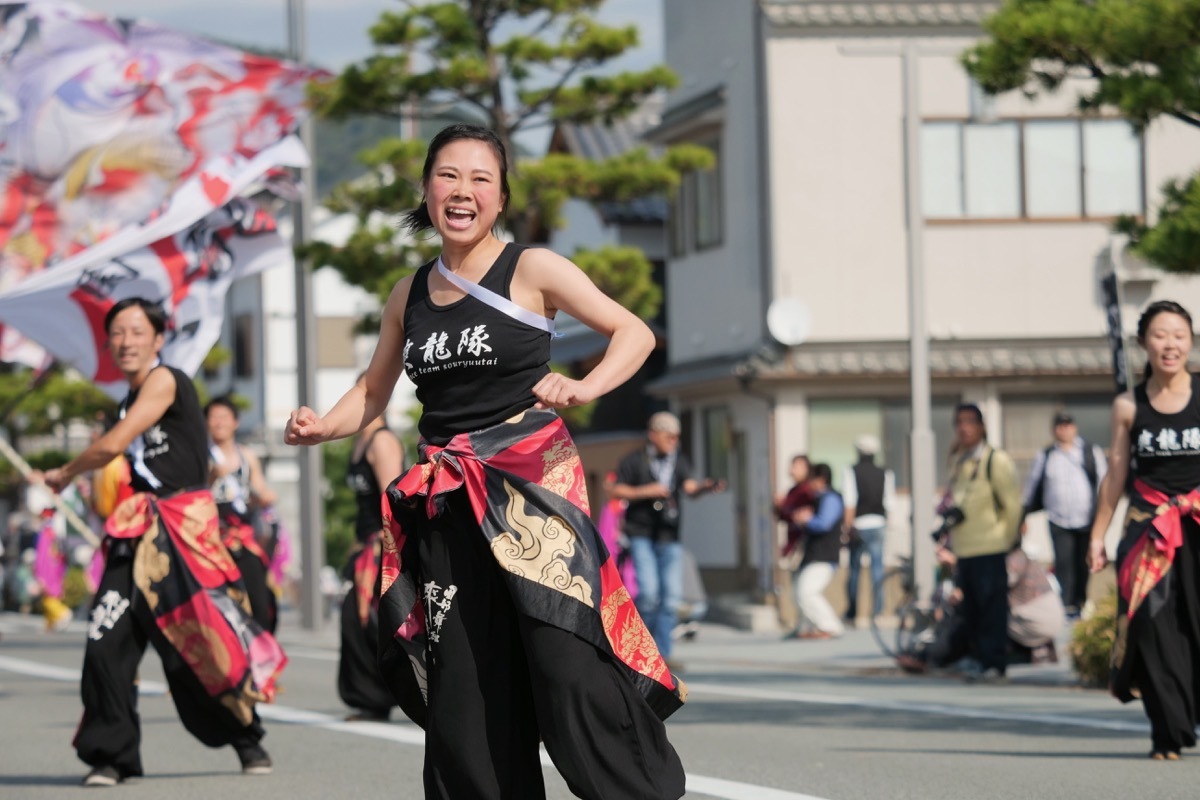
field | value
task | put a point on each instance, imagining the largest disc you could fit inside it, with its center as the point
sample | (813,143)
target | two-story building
(802,101)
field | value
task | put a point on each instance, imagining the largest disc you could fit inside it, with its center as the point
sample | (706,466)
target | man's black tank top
(1167,446)
(473,366)
(368,494)
(172,454)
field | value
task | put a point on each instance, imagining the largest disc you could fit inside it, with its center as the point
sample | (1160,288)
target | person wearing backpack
(983,487)
(1063,481)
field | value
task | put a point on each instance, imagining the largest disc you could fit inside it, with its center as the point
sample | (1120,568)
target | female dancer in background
(1157,651)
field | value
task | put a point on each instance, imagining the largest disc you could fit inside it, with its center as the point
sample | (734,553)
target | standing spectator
(1156,655)
(653,479)
(375,458)
(822,550)
(868,492)
(1063,481)
(983,485)
(787,506)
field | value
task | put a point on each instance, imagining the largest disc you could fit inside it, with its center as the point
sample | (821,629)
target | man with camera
(652,479)
(983,494)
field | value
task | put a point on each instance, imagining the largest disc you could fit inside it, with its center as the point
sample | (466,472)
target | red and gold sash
(194,592)
(1152,553)
(526,486)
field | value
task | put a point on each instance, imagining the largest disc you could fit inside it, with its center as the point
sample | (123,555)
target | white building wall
(711,43)
(837,193)
(836,198)
(837,203)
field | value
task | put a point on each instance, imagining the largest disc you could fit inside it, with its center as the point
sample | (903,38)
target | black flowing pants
(360,680)
(499,681)
(263,605)
(1167,647)
(1070,563)
(984,608)
(118,630)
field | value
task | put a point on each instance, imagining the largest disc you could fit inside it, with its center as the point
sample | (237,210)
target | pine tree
(514,66)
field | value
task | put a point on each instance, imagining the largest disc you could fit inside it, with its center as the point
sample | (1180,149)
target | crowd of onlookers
(48,568)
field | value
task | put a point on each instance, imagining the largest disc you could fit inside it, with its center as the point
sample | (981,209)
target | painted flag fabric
(189,273)
(122,133)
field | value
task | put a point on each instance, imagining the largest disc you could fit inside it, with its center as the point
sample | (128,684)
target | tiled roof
(879,13)
(598,141)
(1088,357)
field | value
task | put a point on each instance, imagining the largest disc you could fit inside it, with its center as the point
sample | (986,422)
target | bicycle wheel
(915,629)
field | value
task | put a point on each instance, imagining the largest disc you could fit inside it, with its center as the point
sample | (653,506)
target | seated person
(1035,618)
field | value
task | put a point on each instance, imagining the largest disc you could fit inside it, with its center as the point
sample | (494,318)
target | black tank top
(368,494)
(473,366)
(172,454)
(1167,446)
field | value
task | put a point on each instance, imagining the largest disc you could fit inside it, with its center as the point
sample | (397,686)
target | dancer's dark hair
(418,219)
(1152,311)
(154,312)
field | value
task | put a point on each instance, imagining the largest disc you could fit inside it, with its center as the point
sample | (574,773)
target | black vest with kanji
(473,366)
(368,494)
(1167,446)
(172,454)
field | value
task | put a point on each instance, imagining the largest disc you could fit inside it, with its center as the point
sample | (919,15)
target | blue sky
(337,29)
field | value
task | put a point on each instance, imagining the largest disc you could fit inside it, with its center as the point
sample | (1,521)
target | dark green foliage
(75,589)
(1092,643)
(340,506)
(515,66)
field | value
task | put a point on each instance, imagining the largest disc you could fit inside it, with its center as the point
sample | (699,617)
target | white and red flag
(118,140)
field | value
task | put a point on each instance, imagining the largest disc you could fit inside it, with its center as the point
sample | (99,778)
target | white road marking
(714,787)
(401,733)
(937,709)
(316,654)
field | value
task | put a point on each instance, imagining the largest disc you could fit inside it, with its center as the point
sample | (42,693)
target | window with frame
(697,218)
(717,440)
(1028,423)
(680,211)
(244,346)
(708,216)
(1031,169)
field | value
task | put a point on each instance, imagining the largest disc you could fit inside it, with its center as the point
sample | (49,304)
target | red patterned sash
(195,594)
(526,486)
(1152,554)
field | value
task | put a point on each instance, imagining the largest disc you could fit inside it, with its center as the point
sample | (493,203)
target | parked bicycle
(916,621)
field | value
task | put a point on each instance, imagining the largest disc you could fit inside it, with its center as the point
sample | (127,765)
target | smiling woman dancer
(1157,651)
(498,598)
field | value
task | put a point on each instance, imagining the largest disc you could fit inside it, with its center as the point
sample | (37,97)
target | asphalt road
(766,720)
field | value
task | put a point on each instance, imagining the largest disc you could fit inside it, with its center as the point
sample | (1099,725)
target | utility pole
(922,484)
(312,540)
(922,453)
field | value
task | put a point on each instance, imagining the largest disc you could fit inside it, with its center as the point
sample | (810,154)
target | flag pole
(68,513)
(23,467)
(312,541)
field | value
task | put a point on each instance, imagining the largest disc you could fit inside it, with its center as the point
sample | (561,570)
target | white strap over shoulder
(498,302)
